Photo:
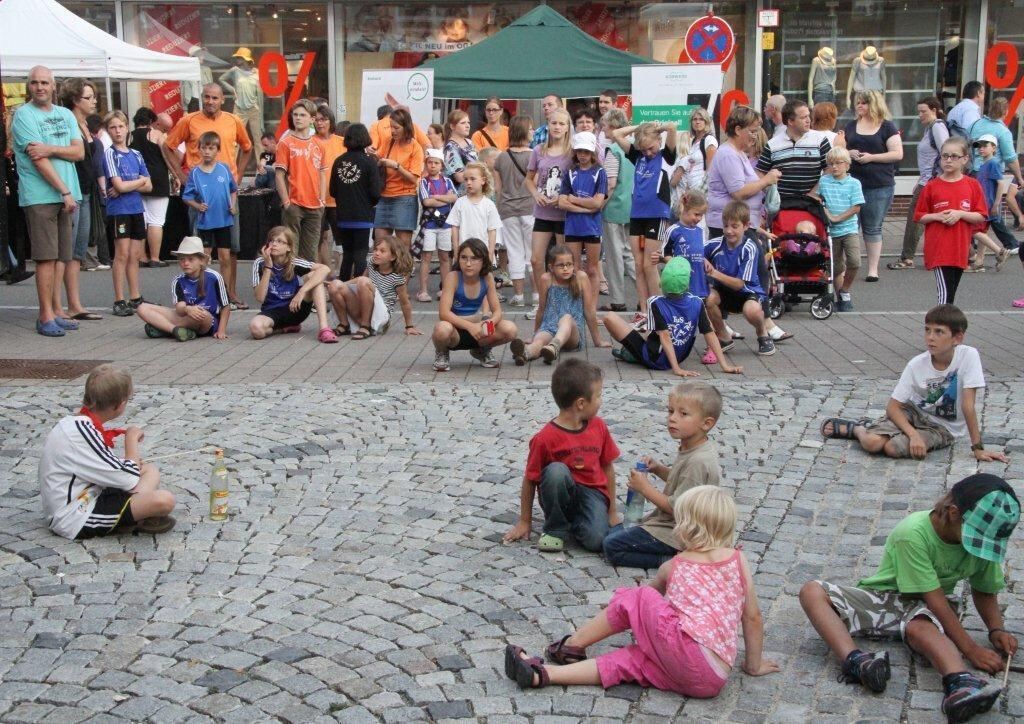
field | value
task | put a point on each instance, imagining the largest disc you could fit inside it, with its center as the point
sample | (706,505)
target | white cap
(435,153)
(987,138)
(585,141)
(190,245)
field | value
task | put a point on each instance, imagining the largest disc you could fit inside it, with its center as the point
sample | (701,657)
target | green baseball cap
(675,277)
(990,511)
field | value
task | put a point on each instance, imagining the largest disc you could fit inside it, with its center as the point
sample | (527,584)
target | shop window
(229,41)
(1006,25)
(907,50)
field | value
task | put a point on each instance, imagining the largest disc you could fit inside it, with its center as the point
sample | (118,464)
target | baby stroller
(800,264)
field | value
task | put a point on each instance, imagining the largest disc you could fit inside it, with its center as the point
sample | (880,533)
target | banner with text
(663,93)
(412,88)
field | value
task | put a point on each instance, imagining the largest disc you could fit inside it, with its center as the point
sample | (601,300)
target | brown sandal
(560,653)
(522,670)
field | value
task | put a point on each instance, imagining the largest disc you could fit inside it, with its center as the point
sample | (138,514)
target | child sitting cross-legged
(684,623)
(963,537)
(570,466)
(934,401)
(693,410)
(87,489)
(676,316)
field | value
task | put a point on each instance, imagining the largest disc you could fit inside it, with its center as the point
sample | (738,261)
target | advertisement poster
(413,88)
(169,29)
(664,93)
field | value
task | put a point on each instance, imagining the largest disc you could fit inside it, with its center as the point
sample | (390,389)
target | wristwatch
(978,446)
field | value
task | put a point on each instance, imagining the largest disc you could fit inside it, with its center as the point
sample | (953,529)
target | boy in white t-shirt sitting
(89,491)
(934,400)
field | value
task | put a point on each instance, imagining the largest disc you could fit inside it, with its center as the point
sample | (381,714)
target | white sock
(730,331)
(845,296)
(776,332)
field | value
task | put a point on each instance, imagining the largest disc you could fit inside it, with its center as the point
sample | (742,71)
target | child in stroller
(800,261)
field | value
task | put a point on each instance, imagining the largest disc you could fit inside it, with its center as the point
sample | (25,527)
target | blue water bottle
(634,501)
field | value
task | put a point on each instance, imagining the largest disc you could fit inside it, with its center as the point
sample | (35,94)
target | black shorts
(285,317)
(216,238)
(112,513)
(647,228)
(733,301)
(634,344)
(126,226)
(466,341)
(583,240)
(546,226)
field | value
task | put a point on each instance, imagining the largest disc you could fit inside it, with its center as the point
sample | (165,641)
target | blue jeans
(873,210)
(572,508)
(635,548)
(81,229)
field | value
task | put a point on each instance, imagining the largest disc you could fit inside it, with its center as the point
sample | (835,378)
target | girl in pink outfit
(684,623)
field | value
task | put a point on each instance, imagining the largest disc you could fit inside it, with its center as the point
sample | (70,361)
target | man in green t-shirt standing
(47,142)
(963,537)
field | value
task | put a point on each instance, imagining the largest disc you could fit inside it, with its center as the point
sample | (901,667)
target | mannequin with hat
(866,73)
(821,84)
(243,82)
(194,89)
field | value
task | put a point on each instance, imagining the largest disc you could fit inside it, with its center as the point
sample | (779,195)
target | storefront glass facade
(907,50)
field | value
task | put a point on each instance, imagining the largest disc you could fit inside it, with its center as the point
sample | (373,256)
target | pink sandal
(327,336)
(709,358)
(1019,303)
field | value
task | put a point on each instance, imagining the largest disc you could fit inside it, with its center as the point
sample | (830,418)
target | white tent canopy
(44,32)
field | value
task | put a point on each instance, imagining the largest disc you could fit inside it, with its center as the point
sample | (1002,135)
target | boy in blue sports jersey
(731,263)
(675,318)
(200,305)
(212,194)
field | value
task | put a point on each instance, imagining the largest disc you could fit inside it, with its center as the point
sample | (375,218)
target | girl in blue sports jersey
(200,304)
(584,189)
(470,310)
(652,195)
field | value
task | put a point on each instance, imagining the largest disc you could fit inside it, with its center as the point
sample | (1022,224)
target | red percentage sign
(1006,54)
(275,88)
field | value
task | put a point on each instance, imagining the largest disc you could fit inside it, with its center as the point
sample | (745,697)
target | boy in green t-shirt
(964,536)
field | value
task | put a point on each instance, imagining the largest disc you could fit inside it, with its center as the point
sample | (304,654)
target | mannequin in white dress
(866,73)
(821,83)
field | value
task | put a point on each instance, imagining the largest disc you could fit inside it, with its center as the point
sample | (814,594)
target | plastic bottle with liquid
(219,488)
(634,501)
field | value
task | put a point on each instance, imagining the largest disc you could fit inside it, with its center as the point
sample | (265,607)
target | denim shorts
(398,213)
(872,212)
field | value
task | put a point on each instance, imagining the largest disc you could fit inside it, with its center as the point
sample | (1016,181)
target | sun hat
(584,141)
(190,245)
(675,277)
(243,53)
(986,138)
(435,153)
(990,511)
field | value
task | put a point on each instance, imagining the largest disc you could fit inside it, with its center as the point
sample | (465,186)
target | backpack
(937,165)
(955,129)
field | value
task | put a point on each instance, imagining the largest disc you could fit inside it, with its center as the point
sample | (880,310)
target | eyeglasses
(492,110)
(563,265)
(951,157)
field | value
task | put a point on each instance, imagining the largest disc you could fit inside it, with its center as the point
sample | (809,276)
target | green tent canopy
(538,54)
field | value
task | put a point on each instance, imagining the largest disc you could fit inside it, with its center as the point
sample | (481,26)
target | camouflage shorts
(878,614)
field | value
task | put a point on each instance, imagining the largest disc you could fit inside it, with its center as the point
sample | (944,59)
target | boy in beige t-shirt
(693,409)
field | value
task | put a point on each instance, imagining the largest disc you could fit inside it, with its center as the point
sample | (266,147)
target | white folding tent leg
(110,96)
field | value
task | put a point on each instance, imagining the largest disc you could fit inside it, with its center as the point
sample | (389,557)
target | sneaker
(518,349)
(123,309)
(726,346)
(844,305)
(532,314)
(442,361)
(518,300)
(967,695)
(1001,258)
(101,267)
(486,357)
(184,334)
(868,669)
(709,358)
(549,353)
(154,333)
(639,322)
(134,303)
(765,346)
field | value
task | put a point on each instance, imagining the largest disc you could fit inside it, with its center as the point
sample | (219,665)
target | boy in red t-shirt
(570,462)
(951,206)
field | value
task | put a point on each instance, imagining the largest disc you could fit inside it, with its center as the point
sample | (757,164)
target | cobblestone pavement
(362,578)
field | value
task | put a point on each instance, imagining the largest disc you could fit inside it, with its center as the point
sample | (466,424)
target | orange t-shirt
(303,160)
(410,157)
(333,147)
(226,125)
(500,139)
(380,133)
